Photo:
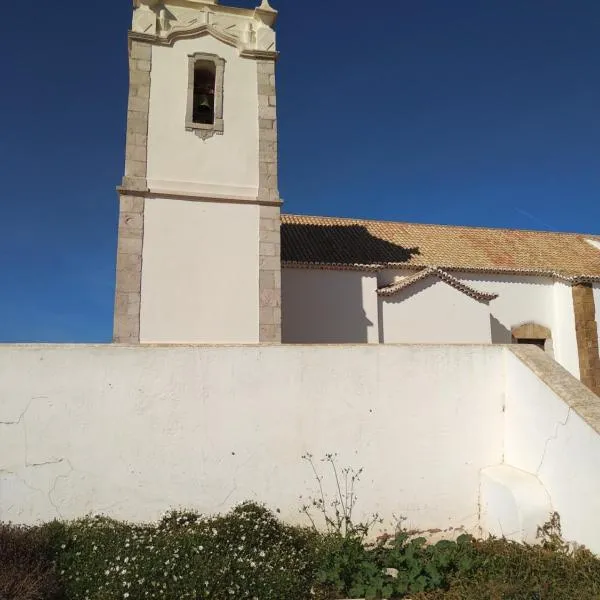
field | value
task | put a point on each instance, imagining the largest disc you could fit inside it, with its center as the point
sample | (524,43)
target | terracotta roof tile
(393,289)
(353,243)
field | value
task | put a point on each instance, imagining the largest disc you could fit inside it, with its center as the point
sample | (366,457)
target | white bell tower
(199,228)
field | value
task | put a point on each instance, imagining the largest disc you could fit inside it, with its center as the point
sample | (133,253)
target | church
(206,256)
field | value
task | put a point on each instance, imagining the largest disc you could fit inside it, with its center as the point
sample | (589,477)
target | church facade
(206,257)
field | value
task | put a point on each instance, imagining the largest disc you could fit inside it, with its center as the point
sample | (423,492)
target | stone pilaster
(587,335)
(129,270)
(131,206)
(270,274)
(270,219)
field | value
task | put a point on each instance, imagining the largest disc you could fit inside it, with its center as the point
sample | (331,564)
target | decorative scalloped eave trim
(391,290)
(572,279)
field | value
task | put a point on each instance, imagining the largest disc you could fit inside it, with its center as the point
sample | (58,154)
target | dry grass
(511,571)
(26,569)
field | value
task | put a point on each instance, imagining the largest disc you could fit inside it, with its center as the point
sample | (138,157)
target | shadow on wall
(326,306)
(500,334)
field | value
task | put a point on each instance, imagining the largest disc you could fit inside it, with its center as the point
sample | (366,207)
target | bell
(203,101)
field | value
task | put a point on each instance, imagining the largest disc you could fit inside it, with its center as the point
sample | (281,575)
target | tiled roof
(390,290)
(329,242)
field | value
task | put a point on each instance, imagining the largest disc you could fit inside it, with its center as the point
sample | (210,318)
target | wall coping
(113,345)
(569,389)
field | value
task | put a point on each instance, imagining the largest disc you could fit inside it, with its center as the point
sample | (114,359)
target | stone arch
(533,333)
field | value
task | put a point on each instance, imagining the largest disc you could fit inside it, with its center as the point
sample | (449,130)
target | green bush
(392,568)
(244,555)
(249,554)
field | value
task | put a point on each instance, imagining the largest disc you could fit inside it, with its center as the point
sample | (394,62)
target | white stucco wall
(547,438)
(321,306)
(199,272)
(178,160)
(529,299)
(433,312)
(132,432)
(563,331)
(520,300)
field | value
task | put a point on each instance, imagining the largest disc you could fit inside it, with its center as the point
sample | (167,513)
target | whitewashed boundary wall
(132,432)
(448,436)
(552,431)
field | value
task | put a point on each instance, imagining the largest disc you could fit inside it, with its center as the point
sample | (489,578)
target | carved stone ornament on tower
(250,31)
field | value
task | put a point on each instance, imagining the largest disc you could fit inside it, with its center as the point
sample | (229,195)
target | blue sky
(467,112)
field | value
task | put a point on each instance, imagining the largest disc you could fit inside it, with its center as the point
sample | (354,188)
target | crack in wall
(554,436)
(58,461)
(228,495)
(22,415)
(53,488)
(21,421)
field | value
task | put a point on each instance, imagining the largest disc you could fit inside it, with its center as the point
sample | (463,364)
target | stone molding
(534,331)
(586,331)
(270,216)
(200,31)
(531,331)
(131,206)
(191,197)
(203,130)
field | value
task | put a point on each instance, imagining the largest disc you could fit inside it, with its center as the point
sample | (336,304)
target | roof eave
(565,277)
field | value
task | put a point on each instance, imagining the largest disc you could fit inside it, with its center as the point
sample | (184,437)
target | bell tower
(198,257)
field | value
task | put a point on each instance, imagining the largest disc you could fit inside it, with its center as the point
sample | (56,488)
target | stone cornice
(200,31)
(259,54)
(190,197)
(182,34)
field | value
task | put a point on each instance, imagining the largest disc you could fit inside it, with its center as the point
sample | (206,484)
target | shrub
(240,556)
(392,568)
(249,554)
(512,571)
(26,568)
